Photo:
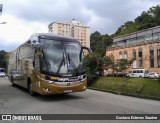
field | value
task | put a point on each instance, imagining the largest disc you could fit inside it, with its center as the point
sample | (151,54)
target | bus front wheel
(32,93)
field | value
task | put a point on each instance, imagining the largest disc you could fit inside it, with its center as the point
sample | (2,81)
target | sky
(25,17)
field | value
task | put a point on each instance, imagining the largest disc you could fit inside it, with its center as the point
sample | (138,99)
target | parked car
(120,74)
(152,75)
(2,72)
(138,73)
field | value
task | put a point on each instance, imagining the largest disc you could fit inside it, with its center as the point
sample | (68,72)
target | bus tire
(32,93)
(140,76)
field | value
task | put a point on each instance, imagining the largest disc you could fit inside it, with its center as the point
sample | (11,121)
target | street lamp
(3,22)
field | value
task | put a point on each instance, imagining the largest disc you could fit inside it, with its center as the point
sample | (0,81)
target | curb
(126,94)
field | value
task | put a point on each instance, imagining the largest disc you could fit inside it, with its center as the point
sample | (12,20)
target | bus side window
(37,63)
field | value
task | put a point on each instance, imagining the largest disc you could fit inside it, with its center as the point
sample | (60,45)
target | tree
(108,61)
(147,19)
(3,60)
(7,54)
(99,43)
(106,42)
(94,67)
(155,13)
(119,65)
(95,38)
(128,27)
(123,64)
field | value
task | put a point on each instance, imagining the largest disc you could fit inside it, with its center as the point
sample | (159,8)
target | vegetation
(4,56)
(120,65)
(143,86)
(146,20)
(93,67)
(99,43)
(158,79)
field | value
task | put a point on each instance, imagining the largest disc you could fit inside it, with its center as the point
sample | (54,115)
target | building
(73,29)
(143,46)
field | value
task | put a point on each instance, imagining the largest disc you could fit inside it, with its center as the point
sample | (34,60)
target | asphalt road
(16,100)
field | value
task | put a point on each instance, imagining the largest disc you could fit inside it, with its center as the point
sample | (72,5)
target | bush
(93,66)
(158,79)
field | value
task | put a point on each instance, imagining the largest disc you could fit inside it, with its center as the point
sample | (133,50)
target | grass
(140,86)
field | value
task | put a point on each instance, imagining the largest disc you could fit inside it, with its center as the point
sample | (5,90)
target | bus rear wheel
(13,85)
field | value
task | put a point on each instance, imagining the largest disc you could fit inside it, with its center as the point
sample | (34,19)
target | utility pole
(1,8)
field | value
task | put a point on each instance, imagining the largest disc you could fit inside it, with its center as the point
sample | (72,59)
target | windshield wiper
(72,63)
(49,73)
(62,61)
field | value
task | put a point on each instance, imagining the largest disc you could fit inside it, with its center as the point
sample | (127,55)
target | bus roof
(50,35)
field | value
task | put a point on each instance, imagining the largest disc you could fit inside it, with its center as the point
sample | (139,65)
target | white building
(73,29)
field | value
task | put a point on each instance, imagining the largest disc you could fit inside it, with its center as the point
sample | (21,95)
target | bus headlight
(46,81)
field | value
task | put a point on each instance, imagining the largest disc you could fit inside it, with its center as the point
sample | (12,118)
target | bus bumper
(50,89)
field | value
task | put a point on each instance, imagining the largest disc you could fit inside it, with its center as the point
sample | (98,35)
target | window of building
(158,57)
(156,36)
(120,55)
(140,54)
(140,57)
(134,54)
(148,38)
(151,58)
(134,65)
(125,54)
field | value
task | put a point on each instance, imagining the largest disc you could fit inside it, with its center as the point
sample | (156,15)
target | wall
(145,57)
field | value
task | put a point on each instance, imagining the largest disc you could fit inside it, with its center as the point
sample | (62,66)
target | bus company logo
(63,79)
(6,117)
(67,79)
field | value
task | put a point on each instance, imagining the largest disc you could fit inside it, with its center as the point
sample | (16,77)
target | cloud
(114,13)
(25,17)
(16,31)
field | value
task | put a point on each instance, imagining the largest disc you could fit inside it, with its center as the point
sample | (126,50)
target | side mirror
(89,52)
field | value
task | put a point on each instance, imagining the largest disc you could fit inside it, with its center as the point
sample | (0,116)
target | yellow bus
(49,64)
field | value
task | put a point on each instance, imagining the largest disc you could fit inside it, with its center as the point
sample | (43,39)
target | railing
(133,44)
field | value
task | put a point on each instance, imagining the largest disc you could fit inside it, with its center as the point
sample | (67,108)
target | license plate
(67,91)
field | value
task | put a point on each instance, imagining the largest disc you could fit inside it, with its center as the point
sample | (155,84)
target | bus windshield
(61,57)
